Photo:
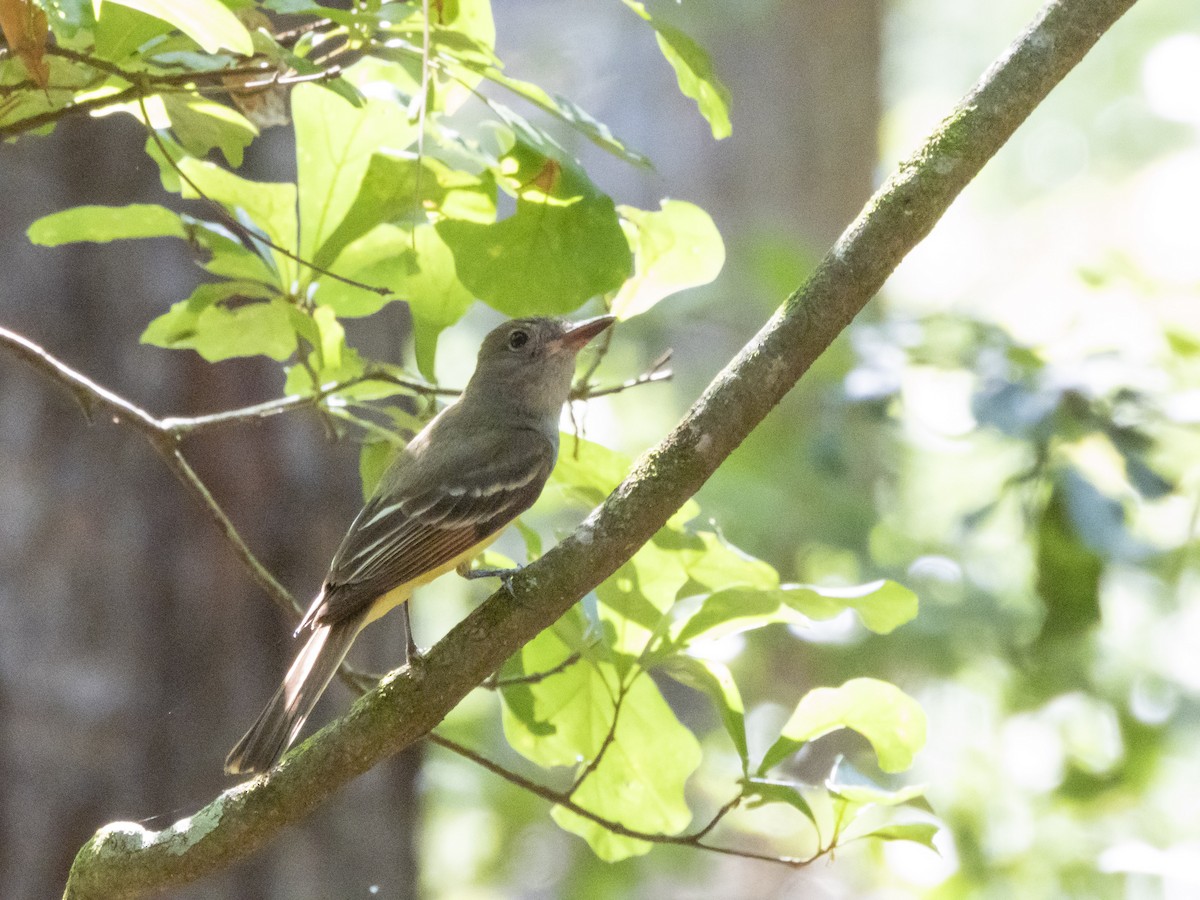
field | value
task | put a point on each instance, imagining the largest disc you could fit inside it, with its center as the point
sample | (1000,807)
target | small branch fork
(166,435)
(694,839)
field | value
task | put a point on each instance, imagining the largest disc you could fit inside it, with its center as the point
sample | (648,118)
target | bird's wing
(429,513)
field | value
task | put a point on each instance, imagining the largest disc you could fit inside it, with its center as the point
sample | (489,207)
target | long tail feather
(284,715)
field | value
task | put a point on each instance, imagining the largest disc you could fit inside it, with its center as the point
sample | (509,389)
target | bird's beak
(582,332)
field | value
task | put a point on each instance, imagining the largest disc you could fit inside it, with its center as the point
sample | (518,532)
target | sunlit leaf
(716,564)
(100,224)
(760,791)
(373,460)
(865,793)
(921,833)
(674,248)
(882,606)
(268,207)
(641,778)
(634,600)
(229,257)
(563,109)
(208,22)
(563,719)
(331,337)
(693,70)
(205,324)
(714,679)
(882,713)
(546,259)
(201,124)
(732,611)
(414,266)
(335,142)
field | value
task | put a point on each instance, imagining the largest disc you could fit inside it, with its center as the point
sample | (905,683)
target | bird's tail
(277,725)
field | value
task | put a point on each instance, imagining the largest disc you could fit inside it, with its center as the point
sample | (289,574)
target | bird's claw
(505,575)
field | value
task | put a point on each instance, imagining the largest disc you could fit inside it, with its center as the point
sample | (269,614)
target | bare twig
(609,737)
(495,683)
(564,800)
(181,426)
(50,116)
(583,391)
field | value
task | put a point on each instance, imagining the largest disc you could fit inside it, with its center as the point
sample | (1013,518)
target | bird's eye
(518,339)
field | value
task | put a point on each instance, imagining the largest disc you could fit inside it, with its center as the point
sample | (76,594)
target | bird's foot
(505,575)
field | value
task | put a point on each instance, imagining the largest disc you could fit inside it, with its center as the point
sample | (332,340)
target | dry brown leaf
(26,30)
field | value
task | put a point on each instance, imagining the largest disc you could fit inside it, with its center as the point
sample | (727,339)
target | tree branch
(127,860)
(559,798)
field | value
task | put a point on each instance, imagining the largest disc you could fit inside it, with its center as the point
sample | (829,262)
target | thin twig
(181,426)
(154,78)
(609,738)
(656,372)
(32,123)
(494,683)
(564,800)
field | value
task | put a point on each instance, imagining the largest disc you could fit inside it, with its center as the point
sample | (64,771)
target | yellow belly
(401,593)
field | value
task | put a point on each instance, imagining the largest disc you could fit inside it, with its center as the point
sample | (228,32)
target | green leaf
(562,109)
(546,259)
(120,31)
(694,72)
(675,248)
(864,794)
(331,337)
(533,540)
(587,472)
(373,460)
(762,791)
(299,379)
(229,257)
(882,606)
(634,600)
(716,564)
(100,224)
(918,832)
(205,324)
(714,679)
(435,296)
(201,124)
(208,22)
(335,143)
(1068,569)
(731,611)
(561,719)
(641,778)
(882,713)
(415,266)
(269,206)
(399,187)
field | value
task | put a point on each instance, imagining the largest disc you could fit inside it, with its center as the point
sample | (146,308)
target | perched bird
(481,462)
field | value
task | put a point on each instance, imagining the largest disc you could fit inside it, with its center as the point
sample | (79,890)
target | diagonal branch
(127,860)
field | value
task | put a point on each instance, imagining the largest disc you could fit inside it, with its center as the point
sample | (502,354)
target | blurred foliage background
(1009,430)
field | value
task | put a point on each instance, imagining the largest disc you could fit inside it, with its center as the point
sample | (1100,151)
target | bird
(477,465)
